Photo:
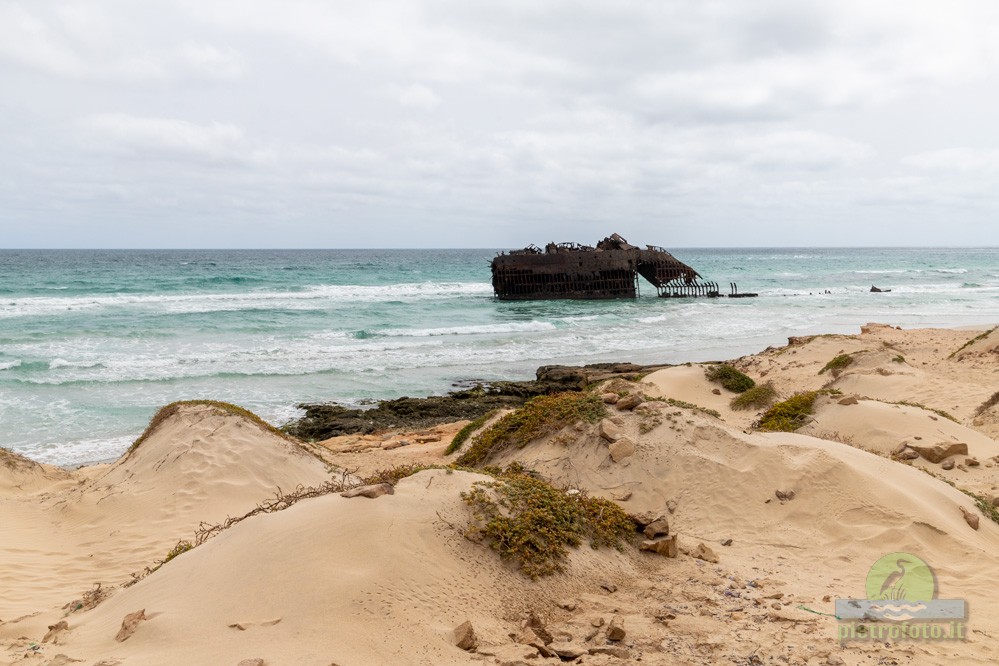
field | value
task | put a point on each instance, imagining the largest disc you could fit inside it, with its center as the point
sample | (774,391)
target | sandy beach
(154,560)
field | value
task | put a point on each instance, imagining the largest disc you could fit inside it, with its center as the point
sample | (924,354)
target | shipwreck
(609,270)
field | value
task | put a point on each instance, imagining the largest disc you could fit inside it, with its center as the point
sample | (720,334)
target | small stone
(251,662)
(464,636)
(610,587)
(671,506)
(129,624)
(597,622)
(55,630)
(611,650)
(995,501)
(726,542)
(666,547)
(970,518)
(785,495)
(971,462)
(539,628)
(621,449)
(716,391)
(615,630)
(776,605)
(657,528)
(388,446)
(702,552)
(900,449)
(567,604)
(908,454)
(371,491)
(609,430)
(609,398)
(835,660)
(629,402)
(917,436)
(849,400)
(567,651)
(948,464)
(622,497)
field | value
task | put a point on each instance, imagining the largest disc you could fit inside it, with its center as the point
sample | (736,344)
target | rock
(251,662)
(784,495)
(567,651)
(55,630)
(970,518)
(900,449)
(621,449)
(129,623)
(388,446)
(835,660)
(539,628)
(609,398)
(609,430)
(948,464)
(671,506)
(971,462)
(849,400)
(995,501)
(666,547)
(610,587)
(702,552)
(611,650)
(629,402)
(597,622)
(371,492)
(567,604)
(528,636)
(939,452)
(615,630)
(726,542)
(657,528)
(716,391)
(464,636)
(908,454)
(622,497)
(644,518)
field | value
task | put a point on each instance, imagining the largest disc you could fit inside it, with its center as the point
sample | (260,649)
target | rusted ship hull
(567,271)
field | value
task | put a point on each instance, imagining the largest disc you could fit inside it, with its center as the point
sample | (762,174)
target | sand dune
(331,579)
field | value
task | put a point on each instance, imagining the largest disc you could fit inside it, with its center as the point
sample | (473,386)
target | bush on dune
(729,378)
(789,415)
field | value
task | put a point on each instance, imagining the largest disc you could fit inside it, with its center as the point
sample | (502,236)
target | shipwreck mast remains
(609,270)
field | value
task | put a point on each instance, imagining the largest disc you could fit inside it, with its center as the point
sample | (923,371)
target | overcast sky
(451,123)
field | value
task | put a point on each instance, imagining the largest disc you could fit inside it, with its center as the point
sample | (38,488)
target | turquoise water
(93,342)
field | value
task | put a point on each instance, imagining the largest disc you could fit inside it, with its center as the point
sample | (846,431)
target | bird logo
(901,577)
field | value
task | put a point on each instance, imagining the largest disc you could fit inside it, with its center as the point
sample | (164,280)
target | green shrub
(466,432)
(729,378)
(758,397)
(539,416)
(980,336)
(528,520)
(898,359)
(837,365)
(179,549)
(789,415)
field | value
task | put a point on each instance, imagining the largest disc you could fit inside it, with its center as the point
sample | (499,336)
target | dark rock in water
(325,420)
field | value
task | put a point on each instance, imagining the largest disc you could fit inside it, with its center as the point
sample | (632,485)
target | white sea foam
(312,297)
(9,365)
(483,329)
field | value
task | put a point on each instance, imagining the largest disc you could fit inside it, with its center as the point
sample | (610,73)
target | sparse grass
(837,364)
(789,415)
(179,549)
(758,397)
(988,404)
(980,336)
(682,404)
(729,378)
(898,359)
(540,416)
(984,505)
(462,435)
(938,412)
(394,474)
(533,523)
(170,410)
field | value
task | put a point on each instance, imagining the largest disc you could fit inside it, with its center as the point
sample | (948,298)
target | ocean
(93,342)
